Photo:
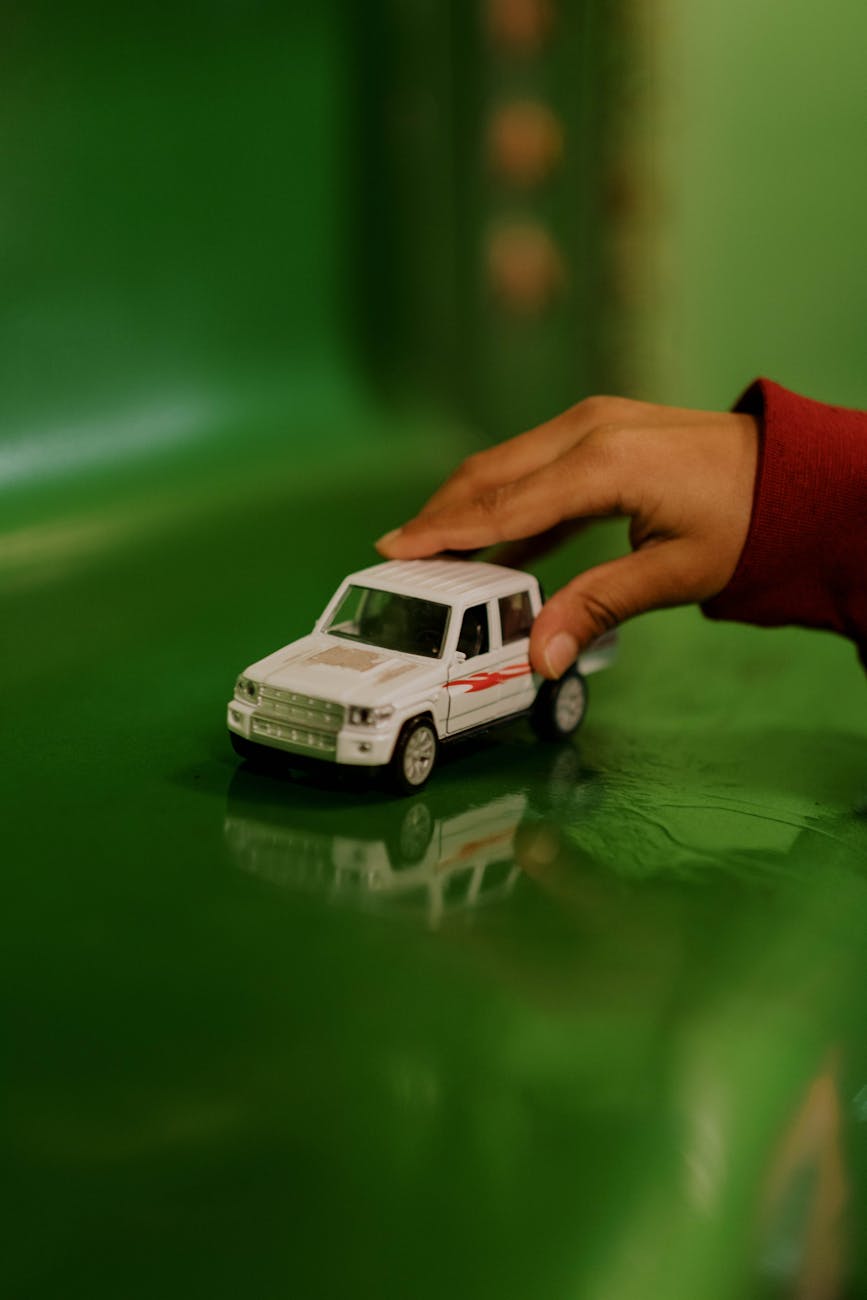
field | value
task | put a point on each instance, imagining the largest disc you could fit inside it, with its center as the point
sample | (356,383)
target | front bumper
(354,746)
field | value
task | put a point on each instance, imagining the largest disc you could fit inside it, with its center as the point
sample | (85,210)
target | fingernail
(387,538)
(560,652)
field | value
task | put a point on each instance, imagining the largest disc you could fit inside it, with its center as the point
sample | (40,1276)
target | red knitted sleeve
(805,558)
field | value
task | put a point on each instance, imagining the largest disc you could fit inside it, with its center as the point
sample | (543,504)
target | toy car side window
(474,639)
(516,616)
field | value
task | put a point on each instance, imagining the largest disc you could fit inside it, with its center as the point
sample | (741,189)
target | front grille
(291,719)
(301,739)
(301,710)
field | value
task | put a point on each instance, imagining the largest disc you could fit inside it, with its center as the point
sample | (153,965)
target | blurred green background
(224,219)
(269,271)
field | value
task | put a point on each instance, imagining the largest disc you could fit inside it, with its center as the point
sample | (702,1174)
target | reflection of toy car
(438,855)
(409,654)
(413,859)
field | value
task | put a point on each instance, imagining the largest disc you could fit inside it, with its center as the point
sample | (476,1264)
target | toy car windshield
(390,621)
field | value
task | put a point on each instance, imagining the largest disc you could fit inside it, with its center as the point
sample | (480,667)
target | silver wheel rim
(418,757)
(415,831)
(569,705)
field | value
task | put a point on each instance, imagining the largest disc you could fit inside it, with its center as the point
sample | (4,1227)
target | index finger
(582,483)
(505,462)
(519,456)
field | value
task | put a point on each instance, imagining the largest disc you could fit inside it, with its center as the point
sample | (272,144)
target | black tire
(560,707)
(414,756)
(243,748)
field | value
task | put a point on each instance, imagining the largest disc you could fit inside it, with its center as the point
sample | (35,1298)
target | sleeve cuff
(805,558)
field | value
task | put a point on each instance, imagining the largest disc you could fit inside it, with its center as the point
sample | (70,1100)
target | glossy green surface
(574,1023)
(546,1029)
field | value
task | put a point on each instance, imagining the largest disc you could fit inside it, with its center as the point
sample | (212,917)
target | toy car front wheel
(409,839)
(560,706)
(414,756)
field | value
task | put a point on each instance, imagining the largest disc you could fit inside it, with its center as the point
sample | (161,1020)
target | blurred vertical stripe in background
(491,200)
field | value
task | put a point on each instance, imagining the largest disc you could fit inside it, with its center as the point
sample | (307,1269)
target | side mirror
(459,657)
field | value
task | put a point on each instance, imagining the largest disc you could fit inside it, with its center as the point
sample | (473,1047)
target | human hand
(684,479)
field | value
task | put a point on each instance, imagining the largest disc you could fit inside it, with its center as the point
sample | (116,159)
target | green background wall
(230,209)
(174,241)
(760,189)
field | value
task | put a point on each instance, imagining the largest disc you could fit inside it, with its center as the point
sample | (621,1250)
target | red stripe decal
(481,681)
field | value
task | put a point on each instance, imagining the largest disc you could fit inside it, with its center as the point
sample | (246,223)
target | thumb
(600,599)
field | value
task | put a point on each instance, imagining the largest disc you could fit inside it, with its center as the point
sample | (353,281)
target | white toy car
(409,655)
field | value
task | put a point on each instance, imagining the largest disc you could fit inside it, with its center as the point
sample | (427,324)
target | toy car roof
(446,580)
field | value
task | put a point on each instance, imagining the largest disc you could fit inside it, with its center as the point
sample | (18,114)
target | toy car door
(518,689)
(475,684)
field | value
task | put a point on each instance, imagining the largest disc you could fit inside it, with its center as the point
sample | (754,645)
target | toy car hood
(346,672)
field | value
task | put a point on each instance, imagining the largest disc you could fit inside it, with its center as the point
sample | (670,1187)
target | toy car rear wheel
(560,707)
(414,756)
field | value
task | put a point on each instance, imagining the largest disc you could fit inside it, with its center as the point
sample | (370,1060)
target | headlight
(245,689)
(362,717)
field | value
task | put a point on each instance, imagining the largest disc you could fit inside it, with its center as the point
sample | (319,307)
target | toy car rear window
(516,616)
(390,621)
